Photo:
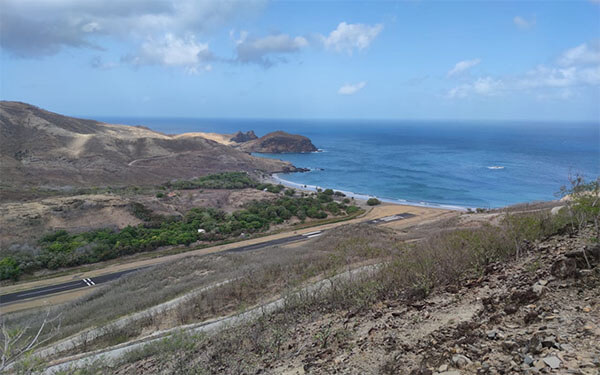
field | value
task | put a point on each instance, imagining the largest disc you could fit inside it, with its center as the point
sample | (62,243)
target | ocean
(438,163)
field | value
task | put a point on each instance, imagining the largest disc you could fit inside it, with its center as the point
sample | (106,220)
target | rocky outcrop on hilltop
(241,137)
(38,147)
(279,142)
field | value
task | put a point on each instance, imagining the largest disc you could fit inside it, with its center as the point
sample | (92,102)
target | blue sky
(537,60)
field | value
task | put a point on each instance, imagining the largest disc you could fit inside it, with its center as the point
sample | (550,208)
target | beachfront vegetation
(207,225)
(373,201)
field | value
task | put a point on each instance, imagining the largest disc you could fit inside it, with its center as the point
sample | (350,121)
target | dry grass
(411,274)
(258,275)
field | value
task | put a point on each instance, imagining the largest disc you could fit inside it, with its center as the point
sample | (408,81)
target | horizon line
(386,119)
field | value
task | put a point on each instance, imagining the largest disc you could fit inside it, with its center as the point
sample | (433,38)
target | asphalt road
(90,282)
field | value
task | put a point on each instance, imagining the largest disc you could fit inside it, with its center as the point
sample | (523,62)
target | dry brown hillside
(38,147)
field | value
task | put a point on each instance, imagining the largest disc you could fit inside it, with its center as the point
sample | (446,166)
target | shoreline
(364,197)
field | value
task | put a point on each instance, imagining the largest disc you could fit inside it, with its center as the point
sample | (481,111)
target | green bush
(9,268)
(373,201)
(275,189)
(324,198)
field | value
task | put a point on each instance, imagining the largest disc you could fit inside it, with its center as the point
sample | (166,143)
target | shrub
(324,198)
(373,201)
(9,268)
(275,189)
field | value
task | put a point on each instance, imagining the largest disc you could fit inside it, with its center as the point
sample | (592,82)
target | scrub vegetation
(201,225)
(408,274)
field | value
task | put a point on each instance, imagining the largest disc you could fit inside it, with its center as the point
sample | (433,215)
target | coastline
(364,197)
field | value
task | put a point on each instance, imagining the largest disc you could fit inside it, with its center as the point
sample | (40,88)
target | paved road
(90,282)
(59,288)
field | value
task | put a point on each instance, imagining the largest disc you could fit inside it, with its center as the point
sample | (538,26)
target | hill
(277,143)
(38,147)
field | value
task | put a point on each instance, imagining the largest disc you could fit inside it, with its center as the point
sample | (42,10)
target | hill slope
(278,142)
(38,147)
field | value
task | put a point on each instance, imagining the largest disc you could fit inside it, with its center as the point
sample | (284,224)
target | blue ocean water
(437,162)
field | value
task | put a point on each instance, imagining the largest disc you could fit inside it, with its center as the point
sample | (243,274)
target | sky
(460,60)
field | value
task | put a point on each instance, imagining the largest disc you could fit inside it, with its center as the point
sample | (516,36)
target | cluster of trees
(225,180)
(63,249)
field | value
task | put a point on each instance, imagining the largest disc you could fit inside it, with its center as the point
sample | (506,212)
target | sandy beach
(362,198)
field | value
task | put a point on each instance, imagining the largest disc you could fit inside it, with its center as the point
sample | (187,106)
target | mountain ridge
(39,147)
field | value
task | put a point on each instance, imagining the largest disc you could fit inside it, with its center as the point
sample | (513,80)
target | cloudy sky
(536,60)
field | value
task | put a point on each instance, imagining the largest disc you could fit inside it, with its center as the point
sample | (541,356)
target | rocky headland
(277,142)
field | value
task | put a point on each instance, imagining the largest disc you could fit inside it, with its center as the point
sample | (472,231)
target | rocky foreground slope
(538,314)
(38,147)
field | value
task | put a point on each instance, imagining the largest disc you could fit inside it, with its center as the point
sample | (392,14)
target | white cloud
(583,54)
(461,66)
(524,23)
(172,51)
(481,86)
(37,28)
(575,68)
(543,76)
(348,37)
(350,89)
(264,50)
